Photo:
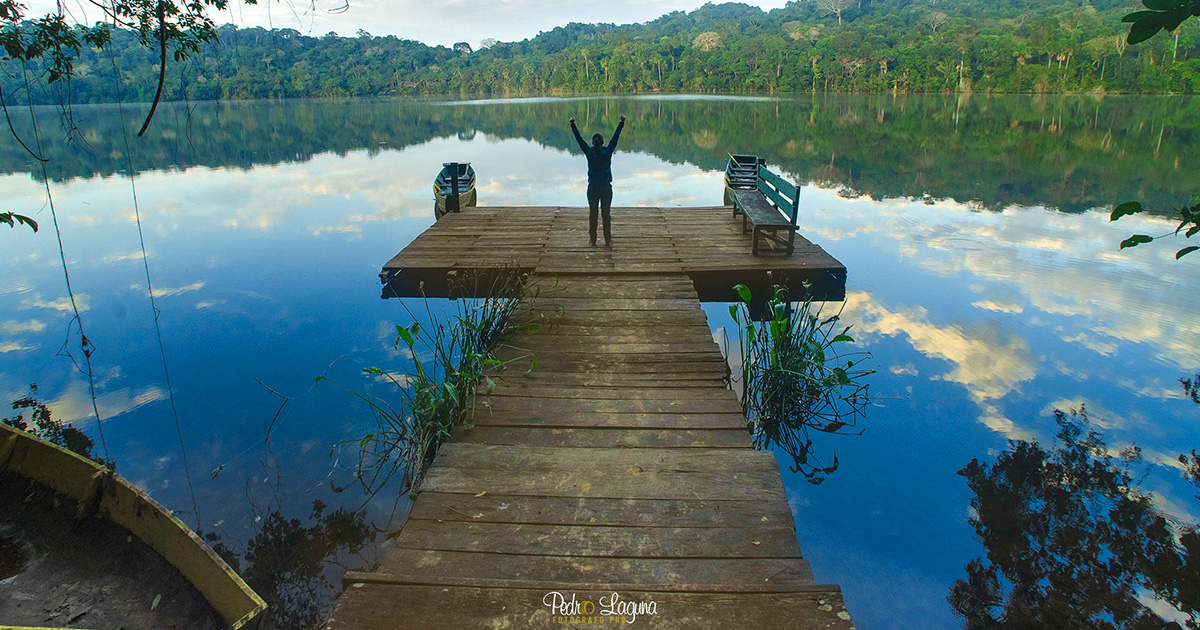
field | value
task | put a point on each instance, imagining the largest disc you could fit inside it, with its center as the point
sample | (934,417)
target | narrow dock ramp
(614,484)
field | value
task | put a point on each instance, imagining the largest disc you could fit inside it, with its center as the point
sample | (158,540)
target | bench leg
(754,241)
(791,241)
(744,219)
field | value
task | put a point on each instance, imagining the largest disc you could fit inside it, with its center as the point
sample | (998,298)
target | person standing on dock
(599,192)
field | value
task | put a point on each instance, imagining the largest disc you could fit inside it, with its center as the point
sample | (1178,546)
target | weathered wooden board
(721,404)
(598,392)
(600,541)
(494,507)
(388,607)
(627,438)
(693,421)
(712,378)
(420,566)
(601,461)
(588,482)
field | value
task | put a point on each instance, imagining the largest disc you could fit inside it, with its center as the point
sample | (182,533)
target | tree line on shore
(1029,46)
(1072,153)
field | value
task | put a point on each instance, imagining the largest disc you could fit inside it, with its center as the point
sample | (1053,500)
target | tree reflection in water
(1072,542)
(289,562)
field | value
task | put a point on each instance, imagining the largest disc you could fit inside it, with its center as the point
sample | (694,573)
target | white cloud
(109,259)
(907,369)
(13,327)
(75,403)
(987,363)
(1000,305)
(62,304)
(169,291)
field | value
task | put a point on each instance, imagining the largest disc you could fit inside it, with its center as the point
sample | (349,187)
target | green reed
(451,363)
(796,378)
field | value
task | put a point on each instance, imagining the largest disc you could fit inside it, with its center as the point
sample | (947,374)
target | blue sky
(443,22)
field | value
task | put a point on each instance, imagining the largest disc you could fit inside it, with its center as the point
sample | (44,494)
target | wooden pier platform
(704,244)
(620,467)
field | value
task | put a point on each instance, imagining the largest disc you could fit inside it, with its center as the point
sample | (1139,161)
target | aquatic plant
(451,362)
(795,380)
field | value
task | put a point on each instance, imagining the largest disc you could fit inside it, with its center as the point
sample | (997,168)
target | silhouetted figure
(599,192)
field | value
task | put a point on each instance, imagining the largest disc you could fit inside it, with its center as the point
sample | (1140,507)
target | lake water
(984,278)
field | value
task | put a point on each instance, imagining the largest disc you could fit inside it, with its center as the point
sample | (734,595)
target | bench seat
(763,220)
(761,213)
(768,209)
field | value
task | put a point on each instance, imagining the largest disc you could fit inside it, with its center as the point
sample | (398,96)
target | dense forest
(1072,153)
(1029,46)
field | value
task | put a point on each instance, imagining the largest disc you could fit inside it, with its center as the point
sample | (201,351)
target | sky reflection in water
(981,321)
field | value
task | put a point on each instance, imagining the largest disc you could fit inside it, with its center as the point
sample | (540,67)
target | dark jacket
(599,158)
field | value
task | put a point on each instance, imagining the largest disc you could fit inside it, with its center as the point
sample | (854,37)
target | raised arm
(612,144)
(578,138)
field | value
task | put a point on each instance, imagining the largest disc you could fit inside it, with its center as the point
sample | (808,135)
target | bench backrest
(784,195)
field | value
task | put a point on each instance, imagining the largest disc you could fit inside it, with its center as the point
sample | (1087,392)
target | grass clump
(796,379)
(451,362)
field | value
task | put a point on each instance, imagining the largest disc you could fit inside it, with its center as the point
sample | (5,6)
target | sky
(443,22)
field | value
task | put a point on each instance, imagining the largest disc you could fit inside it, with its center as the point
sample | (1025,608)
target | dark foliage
(41,423)
(881,45)
(1072,542)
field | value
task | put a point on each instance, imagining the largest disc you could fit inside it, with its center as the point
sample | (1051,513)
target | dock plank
(388,606)
(494,507)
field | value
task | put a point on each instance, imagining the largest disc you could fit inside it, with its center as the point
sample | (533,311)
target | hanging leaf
(1185,251)
(1135,240)
(1125,209)
(743,292)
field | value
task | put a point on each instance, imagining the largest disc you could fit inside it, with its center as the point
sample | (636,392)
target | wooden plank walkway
(705,244)
(622,464)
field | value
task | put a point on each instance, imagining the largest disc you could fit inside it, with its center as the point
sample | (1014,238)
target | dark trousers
(600,202)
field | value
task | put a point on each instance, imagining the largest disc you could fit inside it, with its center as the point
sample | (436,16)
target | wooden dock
(704,244)
(621,465)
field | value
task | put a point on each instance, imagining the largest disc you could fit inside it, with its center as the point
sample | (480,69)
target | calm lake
(984,278)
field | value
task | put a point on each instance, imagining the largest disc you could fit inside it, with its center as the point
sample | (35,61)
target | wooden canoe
(98,492)
(454,176)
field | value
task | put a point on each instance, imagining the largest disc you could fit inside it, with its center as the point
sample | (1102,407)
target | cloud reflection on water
(981,318)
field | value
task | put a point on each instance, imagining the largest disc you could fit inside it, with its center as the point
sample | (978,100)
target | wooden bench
(769,210)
